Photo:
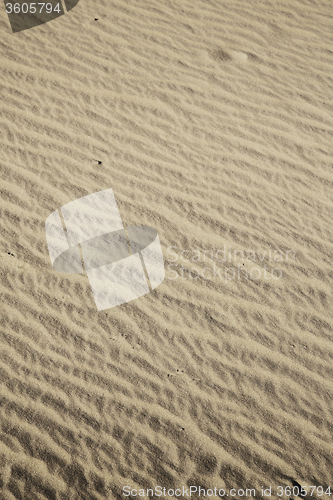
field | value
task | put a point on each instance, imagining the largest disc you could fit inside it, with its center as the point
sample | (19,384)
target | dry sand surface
(212,123)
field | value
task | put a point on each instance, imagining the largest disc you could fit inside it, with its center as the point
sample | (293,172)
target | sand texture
(212,123)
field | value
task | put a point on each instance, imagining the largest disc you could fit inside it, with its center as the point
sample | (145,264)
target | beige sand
(213,124)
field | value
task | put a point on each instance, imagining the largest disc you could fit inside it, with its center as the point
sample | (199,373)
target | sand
(212,123)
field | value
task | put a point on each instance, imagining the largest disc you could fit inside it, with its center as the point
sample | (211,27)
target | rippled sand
(212,123)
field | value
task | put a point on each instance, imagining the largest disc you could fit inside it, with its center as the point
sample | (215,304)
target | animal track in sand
(232,56)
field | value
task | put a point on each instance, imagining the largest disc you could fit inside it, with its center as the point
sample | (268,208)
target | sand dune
(212,122)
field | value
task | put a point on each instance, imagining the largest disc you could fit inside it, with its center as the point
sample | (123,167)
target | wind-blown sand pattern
(212,123)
